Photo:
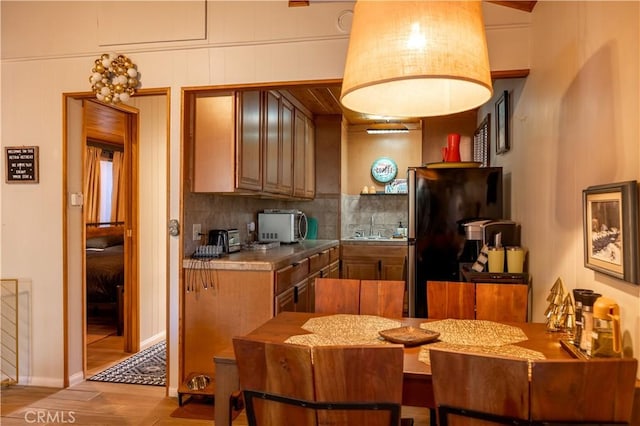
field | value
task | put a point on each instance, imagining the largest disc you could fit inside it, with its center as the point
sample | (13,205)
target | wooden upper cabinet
(224,121)
(304,172)
(249,152)
(278,144)
(214,139)
(272,146)
(252,141)
(286,160)
(309,160)
(299,159)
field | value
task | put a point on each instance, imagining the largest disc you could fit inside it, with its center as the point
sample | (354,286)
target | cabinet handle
(295,295)
(379,265)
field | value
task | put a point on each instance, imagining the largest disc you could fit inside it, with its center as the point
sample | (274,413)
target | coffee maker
(481,232)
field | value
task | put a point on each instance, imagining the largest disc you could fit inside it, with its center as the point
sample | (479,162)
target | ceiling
(517,4)
(325,99)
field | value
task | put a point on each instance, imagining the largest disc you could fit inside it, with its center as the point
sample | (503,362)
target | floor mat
(147,367)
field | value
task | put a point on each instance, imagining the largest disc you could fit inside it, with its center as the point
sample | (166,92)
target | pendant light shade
(416,58)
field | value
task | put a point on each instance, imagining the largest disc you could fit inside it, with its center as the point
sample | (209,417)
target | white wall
(575,124)
(48,48)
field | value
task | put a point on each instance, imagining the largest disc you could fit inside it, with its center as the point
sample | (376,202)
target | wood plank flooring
(99,403)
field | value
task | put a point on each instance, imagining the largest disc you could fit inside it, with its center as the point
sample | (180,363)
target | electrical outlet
(197,229)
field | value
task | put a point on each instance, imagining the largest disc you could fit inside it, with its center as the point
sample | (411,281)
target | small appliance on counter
(234,240)
(217,245)
(219,238)
(285,226)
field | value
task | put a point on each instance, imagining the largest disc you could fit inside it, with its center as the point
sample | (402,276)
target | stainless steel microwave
(285,226)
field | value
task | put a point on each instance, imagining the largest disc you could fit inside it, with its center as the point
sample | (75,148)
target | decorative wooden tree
(561,313)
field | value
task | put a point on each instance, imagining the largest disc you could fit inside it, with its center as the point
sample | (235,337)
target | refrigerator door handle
(411,280)
(411,239)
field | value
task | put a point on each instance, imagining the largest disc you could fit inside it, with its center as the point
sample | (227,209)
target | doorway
(110,215)
(145,230)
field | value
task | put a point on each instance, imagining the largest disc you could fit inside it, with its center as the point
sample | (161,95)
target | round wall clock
(384,170)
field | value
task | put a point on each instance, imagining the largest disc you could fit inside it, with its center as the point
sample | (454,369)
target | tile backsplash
(214,211)
(373,214)
(339,216)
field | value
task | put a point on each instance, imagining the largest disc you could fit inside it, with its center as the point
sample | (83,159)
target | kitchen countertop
(263,260)
(374,241)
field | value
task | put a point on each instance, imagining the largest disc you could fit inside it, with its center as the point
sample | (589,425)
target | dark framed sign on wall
(21,164)
(502,123)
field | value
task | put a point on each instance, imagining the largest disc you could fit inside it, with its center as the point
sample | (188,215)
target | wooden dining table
(417,384)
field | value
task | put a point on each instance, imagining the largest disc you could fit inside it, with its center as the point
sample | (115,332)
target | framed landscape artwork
(611,229)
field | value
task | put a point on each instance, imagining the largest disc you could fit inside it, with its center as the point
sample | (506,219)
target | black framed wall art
(611,229)
(502,123)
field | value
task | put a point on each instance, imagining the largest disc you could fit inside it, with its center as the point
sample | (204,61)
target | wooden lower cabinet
(300,297)
(483,301)
(220,304)
(294,299)
(373,261)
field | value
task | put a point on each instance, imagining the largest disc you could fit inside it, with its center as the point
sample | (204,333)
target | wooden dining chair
(595,391)
(286,384)
(337,296)
(384,298)
(480,387)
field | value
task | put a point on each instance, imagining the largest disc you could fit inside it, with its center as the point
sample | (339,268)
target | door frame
(74,346)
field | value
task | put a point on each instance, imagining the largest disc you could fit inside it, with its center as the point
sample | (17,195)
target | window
(106,189)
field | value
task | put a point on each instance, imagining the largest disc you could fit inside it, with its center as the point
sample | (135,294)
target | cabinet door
(272,146)
(302,296)
(311,283)
(286,133)
(299,156)
(447,299)
(309,160)
(249,143)
(285,301)
(334,270)
(392,269)
(360,269)
(214,138)
(501,302)
(220,304)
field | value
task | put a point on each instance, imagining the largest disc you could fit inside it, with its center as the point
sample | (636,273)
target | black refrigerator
(440,201)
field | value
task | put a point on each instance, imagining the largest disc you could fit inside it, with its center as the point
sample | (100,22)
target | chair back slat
(358,373)
(337,296)
(278,369)
(486,384)
(382,298)
(596,390)
(287,384)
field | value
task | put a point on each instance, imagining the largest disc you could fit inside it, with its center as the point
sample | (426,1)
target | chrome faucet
(371,227)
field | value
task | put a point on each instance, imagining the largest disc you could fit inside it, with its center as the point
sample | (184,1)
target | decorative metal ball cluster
(114,79)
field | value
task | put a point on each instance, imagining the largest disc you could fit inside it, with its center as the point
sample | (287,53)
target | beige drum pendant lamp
(416,58)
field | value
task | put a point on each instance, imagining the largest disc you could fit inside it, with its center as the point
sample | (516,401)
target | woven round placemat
(344,329)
